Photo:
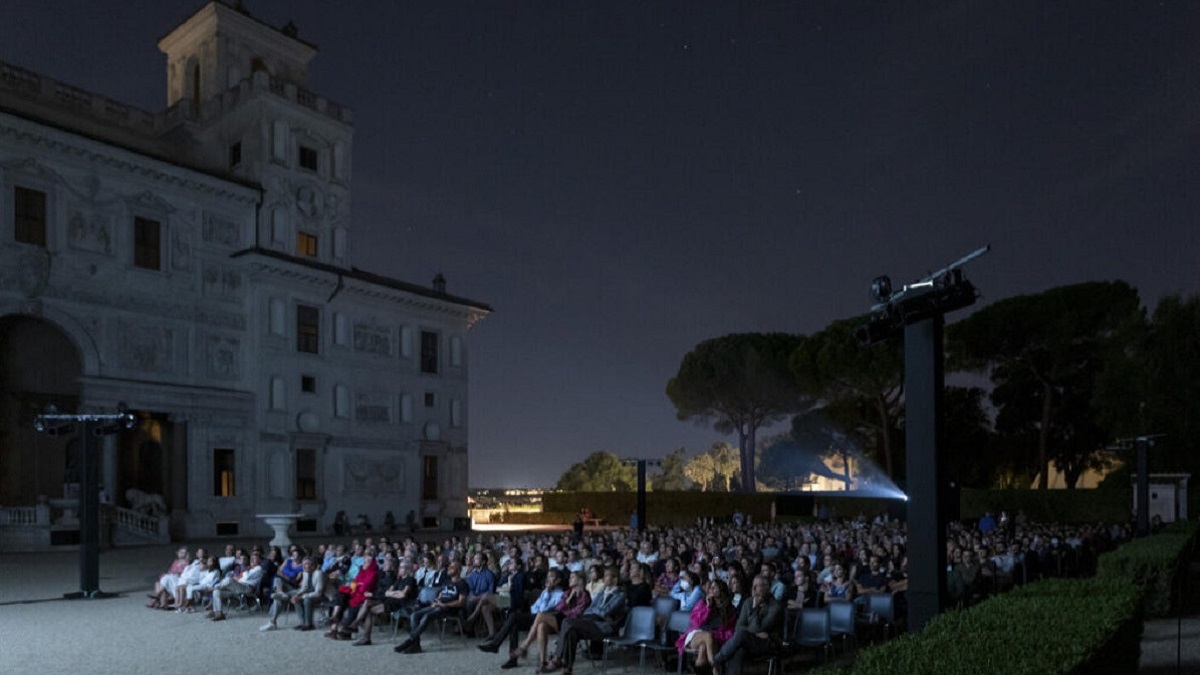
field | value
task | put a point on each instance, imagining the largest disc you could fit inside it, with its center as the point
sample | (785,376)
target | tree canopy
(1153,385)
(861,388)
(1044,353)
(738,383)
(599,472)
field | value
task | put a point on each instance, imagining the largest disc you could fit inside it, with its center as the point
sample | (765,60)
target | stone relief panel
(364,474)
(310,206)
(220,231)
(89,231)
(146,348)
(223,357)
(221,283)
(181,249)
(372,339)
(373,408)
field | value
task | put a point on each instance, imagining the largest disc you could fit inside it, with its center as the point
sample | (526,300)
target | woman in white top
(205,584)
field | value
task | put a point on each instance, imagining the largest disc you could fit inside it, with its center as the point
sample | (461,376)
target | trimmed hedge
(1053,626)
(662,508)
(1108,505)
(683,508)
(1155,564)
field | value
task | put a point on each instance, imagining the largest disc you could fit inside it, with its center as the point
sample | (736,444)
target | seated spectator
(756,632)
(358,592)
(669,577)
(228,560)
(204,585)
(244,582)
(390,578)
(191,574)
(162,595)
(452,598)
(839,587)
(310,589)
(712,623)
(872,579)
(771,571)
(288,575)
(602,619)
(510,594)
(688,590)
(638,592)
(481,583)
(522,619)
(737,589)
(573,603)
(807,593)
(595,579)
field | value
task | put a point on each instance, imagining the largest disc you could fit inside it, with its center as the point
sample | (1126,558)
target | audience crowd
(739,584)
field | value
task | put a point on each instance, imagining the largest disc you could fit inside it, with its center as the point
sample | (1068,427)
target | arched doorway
(39,366)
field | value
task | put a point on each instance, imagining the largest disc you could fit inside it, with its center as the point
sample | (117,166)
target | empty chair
(639,630)
(881,611)
(814,631)
(841,621)
(664,605)
(679,622)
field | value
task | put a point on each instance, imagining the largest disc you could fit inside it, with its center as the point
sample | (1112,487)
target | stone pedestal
(280,522)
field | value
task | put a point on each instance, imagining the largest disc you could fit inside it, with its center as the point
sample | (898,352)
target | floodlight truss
(936,294)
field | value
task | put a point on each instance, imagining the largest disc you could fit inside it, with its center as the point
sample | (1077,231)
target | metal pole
(1143,487)
(924,378)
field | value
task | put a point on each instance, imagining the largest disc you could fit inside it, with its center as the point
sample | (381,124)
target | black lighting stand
(641,487)
(918,311)
(92,426)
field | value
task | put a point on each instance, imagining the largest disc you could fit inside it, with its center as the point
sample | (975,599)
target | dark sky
(622,180)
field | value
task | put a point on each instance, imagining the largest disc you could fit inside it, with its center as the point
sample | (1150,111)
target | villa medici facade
(193,264)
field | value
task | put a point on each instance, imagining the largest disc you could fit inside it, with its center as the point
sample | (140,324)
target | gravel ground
(43,634)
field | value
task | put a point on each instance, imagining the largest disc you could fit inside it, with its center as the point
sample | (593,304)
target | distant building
(194,264)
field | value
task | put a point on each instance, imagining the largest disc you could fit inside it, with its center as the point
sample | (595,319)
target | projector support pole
(924,379)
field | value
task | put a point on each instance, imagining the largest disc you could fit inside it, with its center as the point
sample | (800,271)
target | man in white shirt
(233,586)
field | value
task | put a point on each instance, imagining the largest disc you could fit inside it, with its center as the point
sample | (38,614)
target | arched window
(196,81)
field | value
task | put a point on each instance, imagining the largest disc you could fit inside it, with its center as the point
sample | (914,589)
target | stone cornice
(362,284)
(34,133)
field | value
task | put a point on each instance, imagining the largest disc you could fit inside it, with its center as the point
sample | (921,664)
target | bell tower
(242,90)
(218,46)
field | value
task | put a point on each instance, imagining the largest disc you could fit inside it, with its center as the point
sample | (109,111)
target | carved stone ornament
(89,231)
(220,231)
(223,357)
(221,282)
(373,408)
(365,474)
(181,249)
(146,348)
(372,339)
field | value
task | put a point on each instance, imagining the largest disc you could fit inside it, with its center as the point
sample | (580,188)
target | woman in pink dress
(712,623)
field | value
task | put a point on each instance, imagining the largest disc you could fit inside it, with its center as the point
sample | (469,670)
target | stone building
(194,265)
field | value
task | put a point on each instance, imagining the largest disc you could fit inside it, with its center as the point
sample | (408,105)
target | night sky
(622,180)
